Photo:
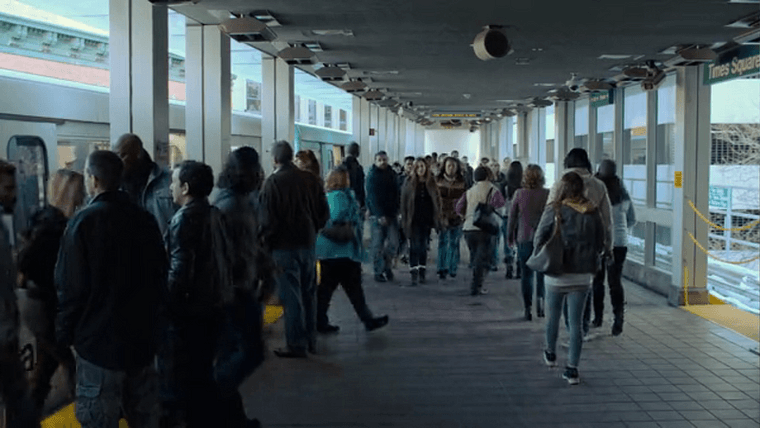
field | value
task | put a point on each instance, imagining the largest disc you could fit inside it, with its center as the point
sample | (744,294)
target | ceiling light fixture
(354,86)
(313,46)
(331,74)
(247,30)
(297,55)
(266,17)
(345,32)
(522,61)
(537,49)
(380,73)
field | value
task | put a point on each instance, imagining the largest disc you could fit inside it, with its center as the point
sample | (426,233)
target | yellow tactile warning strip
(728,316)
(65,418)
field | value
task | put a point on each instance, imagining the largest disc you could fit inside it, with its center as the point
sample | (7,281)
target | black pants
(348,274)
(481,246)
(614,279)
(14,390)
(418,246)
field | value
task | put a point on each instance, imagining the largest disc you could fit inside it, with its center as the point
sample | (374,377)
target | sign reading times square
(742,61)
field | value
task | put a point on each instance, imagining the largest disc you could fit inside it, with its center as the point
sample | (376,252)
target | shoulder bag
(339,231)
(485,217)
(548,258)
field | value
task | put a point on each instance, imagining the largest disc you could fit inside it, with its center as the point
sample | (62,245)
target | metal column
(277,107)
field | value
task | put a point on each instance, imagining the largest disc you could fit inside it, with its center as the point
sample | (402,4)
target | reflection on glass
(312,112)
(253,96)
(328,117)
(343,120)
(605,132)
(666,142)
(635,143)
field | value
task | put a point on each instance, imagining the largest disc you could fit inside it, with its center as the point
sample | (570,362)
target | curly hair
(533,177)
(307,161)
(337,179)
(458,174)
(242,173)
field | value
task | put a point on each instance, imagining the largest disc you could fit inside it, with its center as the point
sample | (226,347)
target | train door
(29,155)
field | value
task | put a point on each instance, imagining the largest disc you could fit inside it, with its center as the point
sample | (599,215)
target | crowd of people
(130,237)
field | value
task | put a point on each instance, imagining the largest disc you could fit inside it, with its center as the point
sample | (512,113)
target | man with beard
(146,183)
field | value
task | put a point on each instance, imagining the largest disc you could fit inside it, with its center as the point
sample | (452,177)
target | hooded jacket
(451,191)
(582,234)
(596,192)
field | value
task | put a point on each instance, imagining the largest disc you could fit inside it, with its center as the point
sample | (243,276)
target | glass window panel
(666,142)
(297,108)
(635,143)
(343,120)
(663,248)
(312,112)
(581,124)
(328,117)
(253,96)
(636,238)
(245,66)
(605,131)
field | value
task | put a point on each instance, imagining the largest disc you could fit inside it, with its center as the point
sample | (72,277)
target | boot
(442,274)
(518,273)
(617,325)
(415,276)
(375,323)
(540,307)
(421,270)
(510,271)
(528,315)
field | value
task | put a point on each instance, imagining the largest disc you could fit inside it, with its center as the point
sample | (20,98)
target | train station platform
(450,360)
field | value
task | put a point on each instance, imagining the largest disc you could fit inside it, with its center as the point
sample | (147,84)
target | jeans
(418,246)
(297,288)
(448,250)
(101,394)
(348,274)
(617,294)
(384,243)
(524,251)
(481,247)
(575,303)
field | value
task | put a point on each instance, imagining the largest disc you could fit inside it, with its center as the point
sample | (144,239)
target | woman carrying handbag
(569,243)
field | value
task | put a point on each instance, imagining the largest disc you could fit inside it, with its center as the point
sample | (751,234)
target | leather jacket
(156,197)
(198,261)
(8,306)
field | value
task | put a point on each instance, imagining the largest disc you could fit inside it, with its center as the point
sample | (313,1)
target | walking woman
(514,182)
(623,218)
(582,234)
(527,205)
(451,184)
(341,261)
(479,242)
(420,212)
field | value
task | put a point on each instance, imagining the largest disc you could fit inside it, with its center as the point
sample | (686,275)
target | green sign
(720,197)
(600,99)
(742,61)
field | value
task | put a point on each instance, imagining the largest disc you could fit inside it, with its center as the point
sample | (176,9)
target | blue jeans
(480,245)
(384,243)
(576,301)
(297,288)
(101,394)
(524,250)
(418,246)
(448,250)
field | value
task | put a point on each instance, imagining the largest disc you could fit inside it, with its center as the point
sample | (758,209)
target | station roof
(421,51)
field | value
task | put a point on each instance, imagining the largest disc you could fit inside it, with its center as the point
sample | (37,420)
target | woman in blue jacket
(340,262)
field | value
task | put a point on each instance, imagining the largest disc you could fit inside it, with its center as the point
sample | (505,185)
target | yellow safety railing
(686,286)
(715,226)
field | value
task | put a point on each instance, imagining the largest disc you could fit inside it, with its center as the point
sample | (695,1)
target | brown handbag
(340,232)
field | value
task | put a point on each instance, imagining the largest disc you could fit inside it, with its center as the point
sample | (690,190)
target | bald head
(129,147)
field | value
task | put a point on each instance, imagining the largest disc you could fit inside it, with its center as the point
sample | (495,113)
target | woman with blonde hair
(527,205)
(340,258)
(420,211)
(307,161)
(36,264)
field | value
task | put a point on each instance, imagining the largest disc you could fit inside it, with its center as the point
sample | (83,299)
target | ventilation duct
(390,103)
(247,30)
(597,85)
(297,56)
(354,86)
(331,74)
(373,95)
(751,37)
(692,56)
(491,43)
(541,103)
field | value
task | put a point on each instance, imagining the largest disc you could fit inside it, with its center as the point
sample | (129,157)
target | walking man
(383,202)
(110,277)
(293,209)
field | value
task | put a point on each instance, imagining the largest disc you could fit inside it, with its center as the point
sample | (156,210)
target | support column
(523,143)
(692,159)
(563,138)
(619,128)
(277,107)
(540,158)
(594,146)
(360,128)
(536,135)
(208,111)
(139,96)
(510,153)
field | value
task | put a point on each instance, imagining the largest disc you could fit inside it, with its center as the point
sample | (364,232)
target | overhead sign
(720,197)
(455,115)
(678,179)
(742,61)
(600,99)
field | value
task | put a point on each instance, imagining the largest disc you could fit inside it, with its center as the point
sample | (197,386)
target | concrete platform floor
(450,360)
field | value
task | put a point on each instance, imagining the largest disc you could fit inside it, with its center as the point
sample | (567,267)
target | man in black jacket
(293,209)
(199,280)
(356,174)
(110,277)
(383,202)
